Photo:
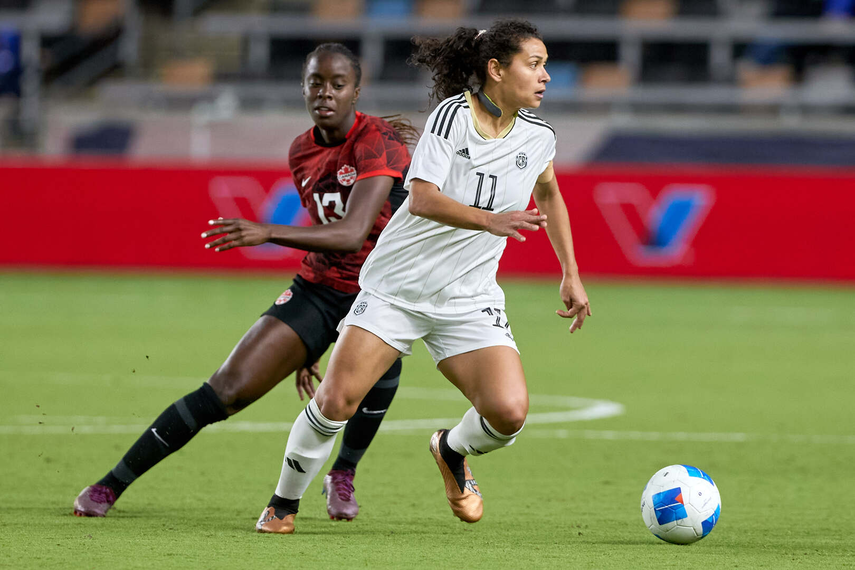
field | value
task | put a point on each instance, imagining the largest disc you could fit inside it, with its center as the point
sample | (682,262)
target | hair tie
(480,33)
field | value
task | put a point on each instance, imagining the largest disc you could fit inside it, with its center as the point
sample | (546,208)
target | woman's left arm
(547,197)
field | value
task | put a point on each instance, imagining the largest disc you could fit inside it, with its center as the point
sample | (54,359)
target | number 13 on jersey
(327,199)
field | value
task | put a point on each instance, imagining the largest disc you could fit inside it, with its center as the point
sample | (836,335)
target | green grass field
(754,385)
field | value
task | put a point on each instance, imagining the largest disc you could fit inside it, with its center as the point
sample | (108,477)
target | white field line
(570,409)
(708,437)
(420,427)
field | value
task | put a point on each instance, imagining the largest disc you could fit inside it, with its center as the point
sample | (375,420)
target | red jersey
(325,176)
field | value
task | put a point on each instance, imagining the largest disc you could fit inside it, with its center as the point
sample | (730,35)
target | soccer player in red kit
(349,169)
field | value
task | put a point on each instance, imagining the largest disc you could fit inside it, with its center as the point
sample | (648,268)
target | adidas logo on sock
(464,152)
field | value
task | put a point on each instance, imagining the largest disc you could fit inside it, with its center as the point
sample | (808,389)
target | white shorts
(444,335)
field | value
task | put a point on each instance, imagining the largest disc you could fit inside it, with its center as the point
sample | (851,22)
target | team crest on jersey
(284,297)
(346,175)
(522,160)
(360,308)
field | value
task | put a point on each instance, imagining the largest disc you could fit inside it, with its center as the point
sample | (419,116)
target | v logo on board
(666,226)
(245,197)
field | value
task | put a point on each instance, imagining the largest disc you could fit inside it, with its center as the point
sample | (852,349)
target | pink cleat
(338,487)
(94,501)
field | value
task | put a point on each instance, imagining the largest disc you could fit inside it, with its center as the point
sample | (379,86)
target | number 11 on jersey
(493,180)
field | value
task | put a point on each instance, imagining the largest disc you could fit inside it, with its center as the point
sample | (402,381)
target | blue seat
(388,8)
(564,74)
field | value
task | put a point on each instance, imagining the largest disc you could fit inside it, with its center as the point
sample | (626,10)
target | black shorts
(314,312)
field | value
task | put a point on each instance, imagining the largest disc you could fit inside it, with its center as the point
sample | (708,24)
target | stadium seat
(648,9)
(605,75)
(444,9)
(338,9)
(93,16)
(388,8)
(774,76)
(564,74)
(188,72)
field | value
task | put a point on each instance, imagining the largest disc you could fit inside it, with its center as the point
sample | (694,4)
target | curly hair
(454,60)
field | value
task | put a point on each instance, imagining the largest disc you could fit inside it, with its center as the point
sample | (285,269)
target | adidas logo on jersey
(464,152)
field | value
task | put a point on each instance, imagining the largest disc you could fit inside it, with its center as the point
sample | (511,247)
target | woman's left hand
(305,380)
(239,233)
(576,300)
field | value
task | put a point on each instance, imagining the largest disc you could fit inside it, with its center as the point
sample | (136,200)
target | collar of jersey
(319,140)
(475,123)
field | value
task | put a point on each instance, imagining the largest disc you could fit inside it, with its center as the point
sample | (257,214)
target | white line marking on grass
(571,409)
(711,437)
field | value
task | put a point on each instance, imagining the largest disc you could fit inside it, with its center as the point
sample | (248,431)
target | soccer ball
(680,504)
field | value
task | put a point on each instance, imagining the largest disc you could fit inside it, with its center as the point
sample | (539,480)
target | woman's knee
(230,387)
(508,417)
(335,405)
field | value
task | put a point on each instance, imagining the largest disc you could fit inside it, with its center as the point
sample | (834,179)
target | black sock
(170,431)
(284,507)
(363,426)
(453,459)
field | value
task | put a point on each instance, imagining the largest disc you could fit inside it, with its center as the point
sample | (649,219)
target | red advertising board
(626,221)
(705,223)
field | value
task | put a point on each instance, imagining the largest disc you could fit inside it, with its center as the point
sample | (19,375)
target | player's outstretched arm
(427,201)
(547,197)
(364,205)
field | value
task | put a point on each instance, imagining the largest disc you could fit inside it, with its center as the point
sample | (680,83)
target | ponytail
(453,61)
(456,59)
(405,129)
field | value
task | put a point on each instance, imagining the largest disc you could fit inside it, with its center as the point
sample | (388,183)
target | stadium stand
(791,59)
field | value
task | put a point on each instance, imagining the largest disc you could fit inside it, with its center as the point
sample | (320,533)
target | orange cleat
(466,503)
(269,522)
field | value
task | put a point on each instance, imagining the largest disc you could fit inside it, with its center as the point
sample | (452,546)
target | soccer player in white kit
(432,274)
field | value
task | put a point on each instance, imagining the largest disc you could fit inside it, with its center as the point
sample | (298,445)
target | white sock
(475,436)
(309,446)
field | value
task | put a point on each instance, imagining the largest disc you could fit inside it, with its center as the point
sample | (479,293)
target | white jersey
(426,266)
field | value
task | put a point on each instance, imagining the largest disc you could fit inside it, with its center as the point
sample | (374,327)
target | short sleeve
(550,152)
(293,162)
(380,153)
(435,151)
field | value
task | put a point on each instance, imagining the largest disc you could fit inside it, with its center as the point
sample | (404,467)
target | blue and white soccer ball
(680,504)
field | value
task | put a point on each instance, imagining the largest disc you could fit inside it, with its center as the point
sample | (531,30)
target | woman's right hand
(239,233)
(509,223)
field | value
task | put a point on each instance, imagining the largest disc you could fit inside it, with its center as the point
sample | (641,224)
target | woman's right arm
(348,234)
(426,201)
